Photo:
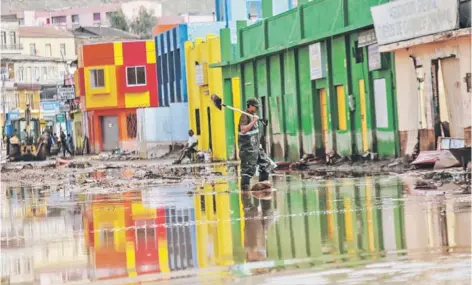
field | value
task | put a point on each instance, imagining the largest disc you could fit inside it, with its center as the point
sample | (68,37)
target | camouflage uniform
(251,154)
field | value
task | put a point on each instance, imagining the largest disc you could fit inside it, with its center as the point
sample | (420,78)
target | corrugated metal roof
(104,32)
(44,32)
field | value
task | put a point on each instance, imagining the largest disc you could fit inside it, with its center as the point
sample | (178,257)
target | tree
(143,23)
(118,21)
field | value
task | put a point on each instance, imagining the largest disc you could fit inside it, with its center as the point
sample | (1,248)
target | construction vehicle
(26,142)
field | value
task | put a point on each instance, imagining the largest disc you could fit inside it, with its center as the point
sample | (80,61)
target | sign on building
(375,61)
(199,77)
(64,108)
(408,19)
(317,69)
(60,118)
(367,38)
(49,106)
(65,92)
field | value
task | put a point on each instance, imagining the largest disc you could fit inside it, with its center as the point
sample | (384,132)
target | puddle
(351,231)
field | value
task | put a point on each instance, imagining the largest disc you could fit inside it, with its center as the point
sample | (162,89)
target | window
(37,76)
(17,100)
(51,71)
(135,75)
(48,50)
(12,38)
(341,100)
(109,14)
(4,38)
(75,19)
(131,125)
(97,78)
(29,100)
(44,72)
(21,72)
(96,16)
(28,74)
(59,20)
(197,121)
(32,49)
(63,49)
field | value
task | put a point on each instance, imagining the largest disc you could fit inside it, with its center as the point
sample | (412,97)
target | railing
(11,47)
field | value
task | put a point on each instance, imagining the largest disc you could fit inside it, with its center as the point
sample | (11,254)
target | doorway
(110,138)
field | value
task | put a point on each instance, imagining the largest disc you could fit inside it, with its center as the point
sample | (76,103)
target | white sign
(199,75)
(65,92)
(408,19)
(64,108)
(375,61)
(367,38)
(316,61)
(380,95)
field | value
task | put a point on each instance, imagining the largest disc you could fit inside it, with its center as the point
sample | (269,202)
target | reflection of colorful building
(116,78)
(117,252)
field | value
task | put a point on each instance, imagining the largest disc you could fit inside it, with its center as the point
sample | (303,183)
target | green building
(322,82)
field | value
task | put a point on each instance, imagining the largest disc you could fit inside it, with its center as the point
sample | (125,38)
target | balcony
(11,48)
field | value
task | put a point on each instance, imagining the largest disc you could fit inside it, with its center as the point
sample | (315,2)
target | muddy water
(346,231)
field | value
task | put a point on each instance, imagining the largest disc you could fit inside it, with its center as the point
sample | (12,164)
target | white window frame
(4,38)
(72,19)
(136,76)
(92,76)
(62,48)
(32,48)
(44,73)
(48,48)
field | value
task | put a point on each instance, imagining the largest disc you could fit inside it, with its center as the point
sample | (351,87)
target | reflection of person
(257,224)
(189,148)
(250,153)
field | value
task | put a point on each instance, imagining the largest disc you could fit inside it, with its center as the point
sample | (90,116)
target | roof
(103,32)
(24,57)
(44,32)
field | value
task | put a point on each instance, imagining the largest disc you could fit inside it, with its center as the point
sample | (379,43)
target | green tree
(118,21)
(143,23)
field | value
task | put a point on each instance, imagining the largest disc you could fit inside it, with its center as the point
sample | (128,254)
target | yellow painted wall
(23,100)
(137,100)
(107,216)
(206,52)
(101,97)
(214,227)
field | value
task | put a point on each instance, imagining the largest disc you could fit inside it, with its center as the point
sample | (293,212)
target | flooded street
(366,230)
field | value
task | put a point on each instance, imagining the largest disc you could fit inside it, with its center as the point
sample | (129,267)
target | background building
(118,77)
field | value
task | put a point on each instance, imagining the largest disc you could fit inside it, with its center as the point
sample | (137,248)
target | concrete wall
(40,46)
(415,101)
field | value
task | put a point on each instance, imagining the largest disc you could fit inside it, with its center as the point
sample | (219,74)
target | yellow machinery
(26,142)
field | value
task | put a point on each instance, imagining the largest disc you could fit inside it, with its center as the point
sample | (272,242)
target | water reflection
(50,236)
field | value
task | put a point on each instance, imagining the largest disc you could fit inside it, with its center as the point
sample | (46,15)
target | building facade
(173,123)
(94,15)
(116,78)
(323,86)
(207,121)
(433,74)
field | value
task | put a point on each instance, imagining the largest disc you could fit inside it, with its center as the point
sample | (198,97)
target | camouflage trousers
(249,163)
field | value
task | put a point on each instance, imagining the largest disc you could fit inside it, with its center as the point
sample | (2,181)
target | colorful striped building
(116,79)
